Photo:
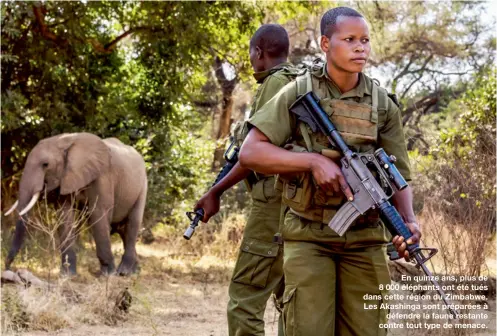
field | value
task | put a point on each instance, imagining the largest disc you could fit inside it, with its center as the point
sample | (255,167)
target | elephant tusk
(31,204)
(12,208)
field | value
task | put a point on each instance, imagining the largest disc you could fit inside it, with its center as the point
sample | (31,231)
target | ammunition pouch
(301,192)
(250,181)
(263,190)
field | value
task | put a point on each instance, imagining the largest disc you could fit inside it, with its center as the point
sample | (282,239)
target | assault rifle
(366,174)
(231,157)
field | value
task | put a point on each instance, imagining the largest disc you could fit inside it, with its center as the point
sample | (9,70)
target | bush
(459,177)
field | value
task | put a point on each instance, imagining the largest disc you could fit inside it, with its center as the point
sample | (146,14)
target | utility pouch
(297,189)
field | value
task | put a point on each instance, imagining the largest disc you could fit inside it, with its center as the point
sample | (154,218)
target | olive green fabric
(271,83)
(326,276)
(279,125)
(258,271)
(356,122)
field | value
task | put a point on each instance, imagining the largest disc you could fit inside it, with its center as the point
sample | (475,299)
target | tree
(132,70)
(425,52)
(457,178)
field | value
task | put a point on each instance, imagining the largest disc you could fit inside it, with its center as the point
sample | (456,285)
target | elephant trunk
(30,187)
(28,195)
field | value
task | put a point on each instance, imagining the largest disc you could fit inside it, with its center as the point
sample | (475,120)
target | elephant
(109,176)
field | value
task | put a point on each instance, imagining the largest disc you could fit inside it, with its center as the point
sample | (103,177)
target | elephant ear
(87,157)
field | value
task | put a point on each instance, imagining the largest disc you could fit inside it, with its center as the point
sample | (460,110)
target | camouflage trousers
(327,277)
(258,271)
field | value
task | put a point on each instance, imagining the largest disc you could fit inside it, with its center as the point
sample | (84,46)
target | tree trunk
(225,120)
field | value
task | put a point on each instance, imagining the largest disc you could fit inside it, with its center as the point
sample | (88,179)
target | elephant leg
(67,235)
(120,228)
(100,223)
(129,262)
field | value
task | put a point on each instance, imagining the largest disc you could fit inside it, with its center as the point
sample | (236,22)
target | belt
(322,215)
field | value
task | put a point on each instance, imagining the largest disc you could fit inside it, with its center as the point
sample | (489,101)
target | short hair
(272,39)
(329,19)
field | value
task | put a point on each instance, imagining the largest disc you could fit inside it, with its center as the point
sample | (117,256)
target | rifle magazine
(344,218)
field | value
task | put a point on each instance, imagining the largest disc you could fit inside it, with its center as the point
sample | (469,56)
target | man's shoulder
(284,95)
(281,78)
(278,77)
(273,84)
(287,73)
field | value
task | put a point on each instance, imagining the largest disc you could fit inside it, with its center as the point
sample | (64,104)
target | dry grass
(181,288)
(65,305)
(185,268)
(457,215)
(461,249)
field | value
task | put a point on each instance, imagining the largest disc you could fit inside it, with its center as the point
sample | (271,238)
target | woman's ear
(86,158)
(324,43)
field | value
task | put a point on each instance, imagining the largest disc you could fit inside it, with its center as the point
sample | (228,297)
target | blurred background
(171,78)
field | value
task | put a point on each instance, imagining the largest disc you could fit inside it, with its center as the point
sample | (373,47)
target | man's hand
(329,177)
(210,202)
(400,244)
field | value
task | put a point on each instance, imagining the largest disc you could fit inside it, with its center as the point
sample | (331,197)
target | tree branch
(402,73)
(447,73)
(110,46)
(410,85)
(64,21)
(227,86)
(436,71)
(45,32)
(423,103)
(421,70)
(38,11)
(298,31)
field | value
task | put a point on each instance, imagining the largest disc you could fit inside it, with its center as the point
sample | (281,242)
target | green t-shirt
(278,124)
(271,82)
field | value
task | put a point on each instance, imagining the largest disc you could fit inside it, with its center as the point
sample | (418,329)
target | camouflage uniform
(259,268)
(327,275)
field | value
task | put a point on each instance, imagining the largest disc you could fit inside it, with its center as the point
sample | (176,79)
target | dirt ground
(172,309)
(174,294)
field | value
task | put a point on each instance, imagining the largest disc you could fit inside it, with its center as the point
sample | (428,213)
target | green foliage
(421,44)
(138,70)
(175,183)
(474,136)
(460,169)
(477,122)
(130,70)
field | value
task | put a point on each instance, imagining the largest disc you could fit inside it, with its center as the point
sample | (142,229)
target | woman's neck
(345,81)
